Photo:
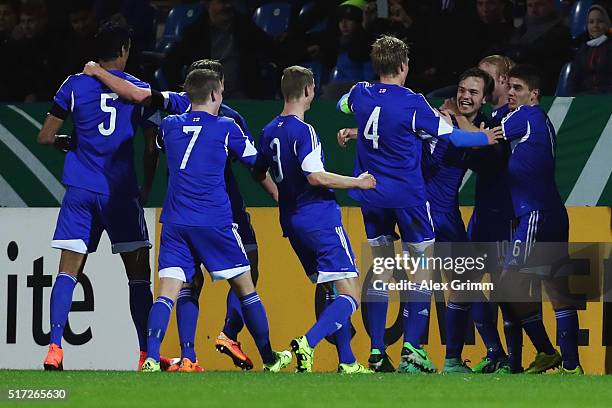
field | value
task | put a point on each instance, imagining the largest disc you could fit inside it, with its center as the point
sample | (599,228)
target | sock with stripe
(457,316)
(342,337)
(482,314)
(537,333)
(567,336)
(141,300)
(233,316)
(157,325)
(61,301)
(256,322)
(513,331)
(187,312)
(333,318)
(378,301)
(406,318)
(418,307)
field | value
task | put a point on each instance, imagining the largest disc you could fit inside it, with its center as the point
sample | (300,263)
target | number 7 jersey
(104,127)
(392,120)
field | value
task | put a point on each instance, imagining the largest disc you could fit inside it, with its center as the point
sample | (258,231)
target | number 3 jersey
(104,128)
(390,120)
(292,150)
(197,145)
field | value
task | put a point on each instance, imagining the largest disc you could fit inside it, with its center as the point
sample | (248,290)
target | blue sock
(343,338)
(537,333)
(457,315)
(567,337)
(233,316)
(420,303)
(141,300)
(157,325)
(187,311)
(378,301)
(257,323)
(482,314)
(333,318)
(513,331)
(61,301)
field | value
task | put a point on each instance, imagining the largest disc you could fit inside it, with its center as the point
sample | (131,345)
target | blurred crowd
(44,41)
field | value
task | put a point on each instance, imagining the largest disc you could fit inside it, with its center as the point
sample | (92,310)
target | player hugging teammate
(409,165)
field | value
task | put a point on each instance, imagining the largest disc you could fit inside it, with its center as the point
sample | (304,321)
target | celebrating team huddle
(410,163)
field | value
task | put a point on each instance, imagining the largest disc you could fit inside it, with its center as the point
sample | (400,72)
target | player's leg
(417,231)
(224,256)
(176,267)
(380,231)
(77,233)
(227,341)
(187,313)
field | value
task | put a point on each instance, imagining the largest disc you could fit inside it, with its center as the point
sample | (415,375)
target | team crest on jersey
(382,90)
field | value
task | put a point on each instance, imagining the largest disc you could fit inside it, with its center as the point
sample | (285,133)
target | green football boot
(150,366)
(283,359)
(576,371)
(304,354)
(544,362)
(419,357)
(380,362)
(495,366)
(408,367)
(354,368)
(456,366)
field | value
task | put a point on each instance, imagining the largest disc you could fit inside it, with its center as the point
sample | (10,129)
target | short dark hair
(528,74)
(489,84)
(110,40)
(388,54)
(200,83)
(211,64)
(294,80)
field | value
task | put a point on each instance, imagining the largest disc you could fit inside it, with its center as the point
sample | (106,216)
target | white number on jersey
(278,172)
(195,130)
(108,109)
(371,128)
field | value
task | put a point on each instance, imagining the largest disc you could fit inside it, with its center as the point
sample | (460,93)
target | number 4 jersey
(197,145)
(104,127)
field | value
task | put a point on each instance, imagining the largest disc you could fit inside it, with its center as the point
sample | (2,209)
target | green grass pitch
(255,389)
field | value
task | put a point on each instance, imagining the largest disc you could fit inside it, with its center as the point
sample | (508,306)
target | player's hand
(345,135)
(63,143)
(494,135)
(91,68)
(447,116)
(366,181)
(450,105)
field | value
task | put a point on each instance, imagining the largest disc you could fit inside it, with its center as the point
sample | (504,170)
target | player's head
(298,86)
(113,42)
(211,64)
(203,86)
(540,8)
(82,16)
(390,57)
(490,11)
(524,82)
(598,21)
(475,86)
(498,67)
(34,18)
(9,15)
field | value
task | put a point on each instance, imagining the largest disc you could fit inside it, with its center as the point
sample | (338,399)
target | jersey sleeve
(240,145)
(307,148)
(427,119)
(63,101)
(515,125)
(175,103)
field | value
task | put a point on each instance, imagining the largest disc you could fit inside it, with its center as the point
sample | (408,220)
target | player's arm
(267,183)
(48,133)
(62,105)
(344,104)
(150,162)
(125,89)
(365,181)
(346,134)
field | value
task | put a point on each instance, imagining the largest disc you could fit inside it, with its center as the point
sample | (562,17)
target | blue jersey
(292,150)
(103,159)
(197,146)
(391,120)
(531,169)
(492,195)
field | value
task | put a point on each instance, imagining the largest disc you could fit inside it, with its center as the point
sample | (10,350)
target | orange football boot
(187,366)
(54,359)
(225,345)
